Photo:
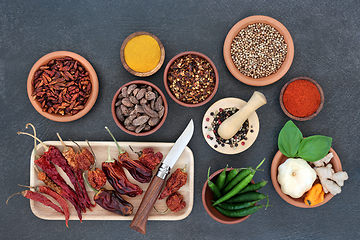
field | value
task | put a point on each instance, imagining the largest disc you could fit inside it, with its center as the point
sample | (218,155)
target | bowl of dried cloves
(139,108)
(191,79)
(62,86)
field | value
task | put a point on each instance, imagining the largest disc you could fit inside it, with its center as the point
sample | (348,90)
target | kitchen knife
(157,183)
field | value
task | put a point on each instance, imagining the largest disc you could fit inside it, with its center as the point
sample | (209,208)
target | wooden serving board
(100,150)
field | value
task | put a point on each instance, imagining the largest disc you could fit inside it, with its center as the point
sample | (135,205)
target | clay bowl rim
(142,74)
(206,200)
(121,126)
(322,99)
(264,80)
(167,86)
(93,78)
(299,202)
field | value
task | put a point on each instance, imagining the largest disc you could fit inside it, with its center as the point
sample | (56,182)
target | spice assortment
(191,79)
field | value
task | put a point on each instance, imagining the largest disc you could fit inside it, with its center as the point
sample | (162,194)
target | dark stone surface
(326,37)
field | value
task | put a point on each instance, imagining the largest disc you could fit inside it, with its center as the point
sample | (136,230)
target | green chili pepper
(239,213)
(238,178)
(247,197)
(214,188)
(253,187)
(240,186)
(220,181)
(236,206)
(231,174)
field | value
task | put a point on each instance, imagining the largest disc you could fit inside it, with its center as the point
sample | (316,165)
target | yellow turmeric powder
(142,53)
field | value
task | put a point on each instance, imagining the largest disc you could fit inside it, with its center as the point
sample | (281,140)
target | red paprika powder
(301,98)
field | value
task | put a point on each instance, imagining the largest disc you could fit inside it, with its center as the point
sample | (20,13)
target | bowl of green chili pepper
(230,195)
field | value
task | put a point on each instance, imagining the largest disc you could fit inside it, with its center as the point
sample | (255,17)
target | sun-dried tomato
(174,183)
(150,159)
(175,202)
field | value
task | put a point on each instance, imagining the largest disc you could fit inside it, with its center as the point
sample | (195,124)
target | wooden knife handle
(146,205)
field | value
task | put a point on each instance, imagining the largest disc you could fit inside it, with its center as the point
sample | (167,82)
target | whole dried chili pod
(95,176)
(175,202)
(117,178)
(175,182)
(138,171)
(149,158)
(111,200)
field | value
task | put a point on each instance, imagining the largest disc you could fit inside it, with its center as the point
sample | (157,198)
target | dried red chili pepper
(174,183)
(111,200)
(149,158)
(44,163)
(138,171)
(175,202)
(95,176)
(117,178)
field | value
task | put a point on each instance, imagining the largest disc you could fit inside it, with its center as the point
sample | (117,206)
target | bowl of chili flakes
(62,86)
(191,79)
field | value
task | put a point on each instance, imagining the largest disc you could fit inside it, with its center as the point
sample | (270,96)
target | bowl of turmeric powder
(301,98)
(142,54)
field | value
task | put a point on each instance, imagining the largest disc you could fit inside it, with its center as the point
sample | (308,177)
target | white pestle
(231,125)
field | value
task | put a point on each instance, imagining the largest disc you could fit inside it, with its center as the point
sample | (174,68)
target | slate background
(326,38)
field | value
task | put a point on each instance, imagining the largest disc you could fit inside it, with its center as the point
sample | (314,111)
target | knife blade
(157,183)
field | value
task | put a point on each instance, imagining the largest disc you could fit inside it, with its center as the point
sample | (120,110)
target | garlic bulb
(295,177)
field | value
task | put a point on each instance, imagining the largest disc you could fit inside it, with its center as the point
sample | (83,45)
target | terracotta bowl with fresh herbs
(191,79)
(301,170)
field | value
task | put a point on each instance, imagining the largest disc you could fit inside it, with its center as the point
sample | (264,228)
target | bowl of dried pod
(139,108)
(258,50)
(191,79)
(62,86)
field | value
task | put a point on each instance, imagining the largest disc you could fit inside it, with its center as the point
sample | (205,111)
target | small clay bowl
(278,159)
(307,117)
(121,124)
(207,196)
(142,74)
(93,78)
(264,80)
(167,84)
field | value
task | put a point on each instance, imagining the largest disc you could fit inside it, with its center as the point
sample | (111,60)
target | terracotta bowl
(167,85)
(278,159)
(121,124)
(264,80)
(93,78)
(207,196)
(302,118)
(142,74)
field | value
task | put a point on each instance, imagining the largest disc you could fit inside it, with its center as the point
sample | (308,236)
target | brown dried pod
(135,91)
(149,111)
(159,104)
(118,103)
(161,112)
(147,128)
(139,108)
(126,102)
(131,88)
(125,111)
(153,121)
(150,96)
(119,114)
(130,127)
(141,93)
(140,120)
(124,92)
(143,101)
(140,128)
(134,100)
(120,96)
(152,104)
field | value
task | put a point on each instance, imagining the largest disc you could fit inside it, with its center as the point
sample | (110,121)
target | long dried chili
(59,199)
(41,199)
(117,178)
(138,171)
(176,180)
(301,98)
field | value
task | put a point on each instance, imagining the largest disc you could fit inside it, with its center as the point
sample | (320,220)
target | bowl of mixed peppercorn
(258,50)
(62,86)
(191,79)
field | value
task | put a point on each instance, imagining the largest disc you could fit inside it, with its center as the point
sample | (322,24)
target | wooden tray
(100,150)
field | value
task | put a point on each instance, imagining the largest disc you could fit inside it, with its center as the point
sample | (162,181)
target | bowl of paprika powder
(301,98)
